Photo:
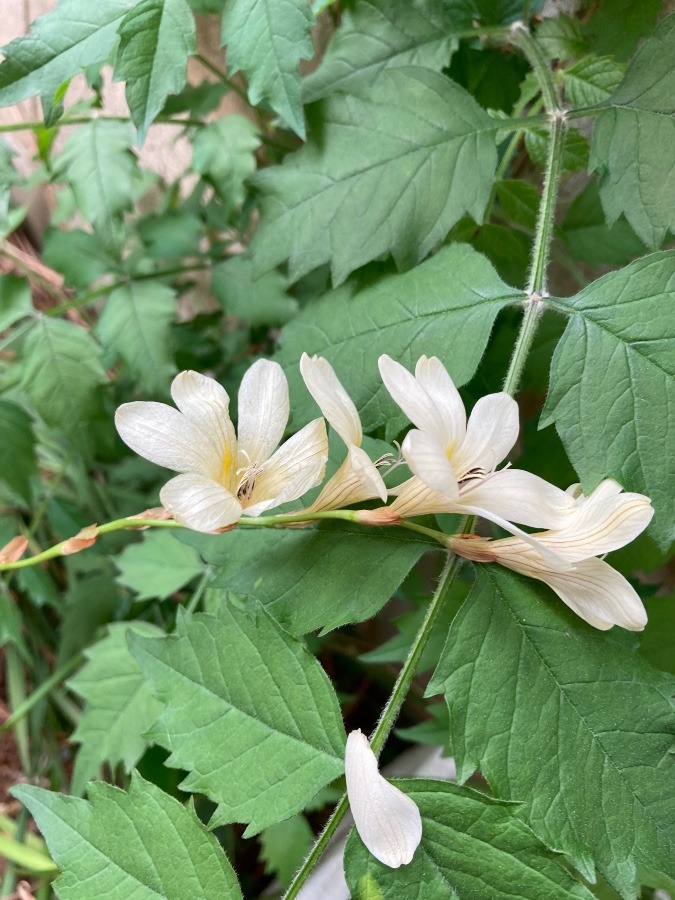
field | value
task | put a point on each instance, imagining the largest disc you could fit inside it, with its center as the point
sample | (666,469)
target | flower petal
(490,434)
(520,496)
(414,400)
(199,502)
(331,398)
(428,460)
(263,411)
(356,480)
(166,437)
(432,375)
(414,498)
(387,820)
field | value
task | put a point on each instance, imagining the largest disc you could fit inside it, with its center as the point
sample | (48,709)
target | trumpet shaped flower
(222,474)
(357,479)
(453,461)
(604,521)
(387,820)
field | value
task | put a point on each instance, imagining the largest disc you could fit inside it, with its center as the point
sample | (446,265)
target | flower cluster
(453,463)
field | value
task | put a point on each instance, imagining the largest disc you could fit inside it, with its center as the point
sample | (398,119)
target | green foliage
(119,706)
(615,368)
(270,730)
(591,765)
(258,301)
(17,448)
(142,843)
(325,203)
(592,80)
(471,846)
(588,238)
(284,846)
(223,153)
(158,566)
(618,25)
(15,301)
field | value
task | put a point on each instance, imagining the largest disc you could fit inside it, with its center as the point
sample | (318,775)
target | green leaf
(83,618)
(560,37)
(405,316)
(434,732)
(617,25)
(15,300)
(328,202)
(321,577)
(119,707)
(223,152)
(611,370)
(170,234)
(575,148)
(591,763)
(284,847)
(79,256)
(141,844)
(658,638)
(97,163)
(260,301)
(520,201)
(468,13)
(269,723)
(158,566)
(266,39)
(62,374)
(472,846)
(591,80)
(136,324)
(76,34)
(634,141)
(156,39)
(18,462)
(589,239)
(376,34)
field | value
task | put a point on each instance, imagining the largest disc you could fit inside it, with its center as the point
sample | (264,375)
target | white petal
(490,434)
(428,460)
(414,498)
(199,503)
(432,375)
(414,400)
(263,411)
(332,399)
(166,437)
(356,480)
(296,467)
(387,820)
(520,497)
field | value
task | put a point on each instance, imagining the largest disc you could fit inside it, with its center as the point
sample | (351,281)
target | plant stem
(389,714)
(57,676)
(9,881)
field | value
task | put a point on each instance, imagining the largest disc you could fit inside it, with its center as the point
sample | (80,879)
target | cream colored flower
(387,820)
(604,521)
(223,475)
(453,461)
(357,479)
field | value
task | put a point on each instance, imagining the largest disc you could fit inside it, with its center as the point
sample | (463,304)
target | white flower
(453,461)
(387,820)
(604,521)
(357,479)
(222,475)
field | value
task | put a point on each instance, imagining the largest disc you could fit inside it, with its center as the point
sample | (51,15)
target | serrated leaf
(591,80)
(223,152)
(269,723)
(158,566)
(62,43)
(634,141)
(560,37)
(590,239)
(99,166)
(62,375)
(575,148)
(321,577)
(472,846)
(136,324)
(156,39)
(519,200)
(376,34)
(119,707)
(141,844)
(15,300)
(611,370)
(79,256)
(259,301)
(405,316)
(18,462)
(591,764)
(284,847)
(617,25)
(266,39)
(366,183)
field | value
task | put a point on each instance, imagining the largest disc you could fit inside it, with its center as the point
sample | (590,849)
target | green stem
(83,120)
(221,76)
(388,717)
(539,63)
(16,692)
(57,676)
(199,591)
(9,881)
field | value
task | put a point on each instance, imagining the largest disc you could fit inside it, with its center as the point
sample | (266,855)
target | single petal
(331,398)
(428,460)
(432,375)
(296,467)
(414,400)
(414,498)
(490,434)
(356,480)
(164,436)
(199,502)
(206,404)
(387,820)
(263,411)
(520,496)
